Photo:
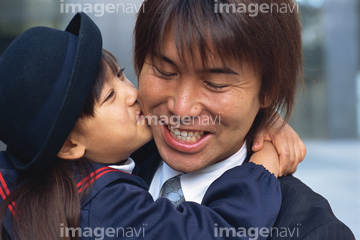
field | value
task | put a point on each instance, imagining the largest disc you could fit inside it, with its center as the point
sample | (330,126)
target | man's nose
(185,100)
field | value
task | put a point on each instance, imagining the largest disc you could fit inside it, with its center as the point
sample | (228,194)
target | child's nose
(131,92)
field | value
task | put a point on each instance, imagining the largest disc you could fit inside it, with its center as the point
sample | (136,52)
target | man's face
(217,105)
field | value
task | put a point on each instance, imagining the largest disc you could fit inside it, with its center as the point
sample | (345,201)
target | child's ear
(71,150)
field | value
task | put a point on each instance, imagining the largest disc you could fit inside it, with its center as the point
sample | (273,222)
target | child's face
(118,128)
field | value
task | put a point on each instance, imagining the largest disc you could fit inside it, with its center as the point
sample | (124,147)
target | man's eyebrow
(220,70)
(168,60)
(165,58)
(224,70)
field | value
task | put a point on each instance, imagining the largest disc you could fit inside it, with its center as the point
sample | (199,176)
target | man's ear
(71,150)
(265,101)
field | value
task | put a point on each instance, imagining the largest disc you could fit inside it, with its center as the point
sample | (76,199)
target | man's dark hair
(269,40)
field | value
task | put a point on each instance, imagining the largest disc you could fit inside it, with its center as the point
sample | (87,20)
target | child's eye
(111,94)
(120,74)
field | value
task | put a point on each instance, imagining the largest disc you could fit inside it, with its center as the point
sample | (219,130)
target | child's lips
(139,116)
(138,112)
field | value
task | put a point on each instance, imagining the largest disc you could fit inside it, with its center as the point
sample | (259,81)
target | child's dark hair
(46,202)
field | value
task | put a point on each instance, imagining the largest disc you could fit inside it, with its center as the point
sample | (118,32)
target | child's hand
(268,157)
(287,143)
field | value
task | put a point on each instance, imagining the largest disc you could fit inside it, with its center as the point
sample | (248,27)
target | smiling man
(190,88)
(197,63)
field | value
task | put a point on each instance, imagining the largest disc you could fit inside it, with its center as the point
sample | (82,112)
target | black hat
(45,78)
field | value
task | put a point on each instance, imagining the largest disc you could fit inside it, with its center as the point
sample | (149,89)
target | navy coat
(304,214)
(244,201)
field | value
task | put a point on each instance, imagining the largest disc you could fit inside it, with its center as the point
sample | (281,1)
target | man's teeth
(185,136)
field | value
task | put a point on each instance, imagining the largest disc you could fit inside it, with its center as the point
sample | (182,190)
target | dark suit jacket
(304,214)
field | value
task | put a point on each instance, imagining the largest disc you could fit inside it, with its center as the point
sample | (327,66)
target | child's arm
(287,143)
(267,157)
(242,202)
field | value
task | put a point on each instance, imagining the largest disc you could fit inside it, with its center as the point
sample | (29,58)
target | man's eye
(163,74)
(215,87)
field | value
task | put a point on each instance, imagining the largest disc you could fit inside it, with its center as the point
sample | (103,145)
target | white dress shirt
(195,184)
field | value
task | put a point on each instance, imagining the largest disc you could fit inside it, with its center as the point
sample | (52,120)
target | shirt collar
(127,167)
(195,184)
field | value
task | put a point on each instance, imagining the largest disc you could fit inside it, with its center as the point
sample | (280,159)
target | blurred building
(328,106)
